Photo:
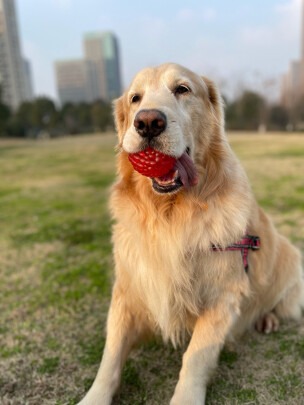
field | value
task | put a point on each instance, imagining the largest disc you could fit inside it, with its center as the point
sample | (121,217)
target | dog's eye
(135,98)
(181,89)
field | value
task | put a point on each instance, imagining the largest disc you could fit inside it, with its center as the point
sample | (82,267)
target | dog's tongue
(186,170)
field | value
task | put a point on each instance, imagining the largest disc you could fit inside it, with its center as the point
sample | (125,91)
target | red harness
(246,243)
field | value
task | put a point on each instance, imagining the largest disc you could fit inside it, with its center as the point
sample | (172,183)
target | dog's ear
(215,98)
(215,176)
(119,116)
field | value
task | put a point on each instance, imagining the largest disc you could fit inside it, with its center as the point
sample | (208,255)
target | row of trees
(250,111)
(42,117)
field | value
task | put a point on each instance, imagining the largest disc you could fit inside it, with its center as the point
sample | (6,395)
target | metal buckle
(255,245)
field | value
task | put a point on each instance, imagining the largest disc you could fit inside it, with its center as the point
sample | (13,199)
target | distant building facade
(72,81)
(93,52)
(29,89)
(102,50)
(292,89)
(13,76)
(96,77)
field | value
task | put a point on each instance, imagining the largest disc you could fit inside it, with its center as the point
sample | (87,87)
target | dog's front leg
(202,353)
(124,327)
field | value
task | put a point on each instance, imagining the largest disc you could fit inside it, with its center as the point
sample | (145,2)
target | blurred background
(63,61)
(61,64)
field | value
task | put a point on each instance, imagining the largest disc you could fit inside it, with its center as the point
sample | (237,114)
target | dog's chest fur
(173,271)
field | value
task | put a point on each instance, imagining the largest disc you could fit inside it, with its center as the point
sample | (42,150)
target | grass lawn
(56,275)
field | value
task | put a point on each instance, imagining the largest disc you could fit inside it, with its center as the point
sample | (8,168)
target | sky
(237,43)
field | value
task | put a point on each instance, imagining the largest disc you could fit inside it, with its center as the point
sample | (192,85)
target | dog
(194,253)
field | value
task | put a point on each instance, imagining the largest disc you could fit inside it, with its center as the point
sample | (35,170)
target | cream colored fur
(168,281)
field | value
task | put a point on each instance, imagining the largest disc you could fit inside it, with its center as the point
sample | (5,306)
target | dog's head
(174,111)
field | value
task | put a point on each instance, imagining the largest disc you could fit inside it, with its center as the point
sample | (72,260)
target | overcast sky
(235,42)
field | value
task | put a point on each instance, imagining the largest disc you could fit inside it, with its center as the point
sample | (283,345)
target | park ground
(56,275)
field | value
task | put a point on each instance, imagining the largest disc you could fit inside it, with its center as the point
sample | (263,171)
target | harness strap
(246,243)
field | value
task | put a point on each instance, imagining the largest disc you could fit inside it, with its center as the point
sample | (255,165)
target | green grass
(49,365)
(56,273)
(228,357)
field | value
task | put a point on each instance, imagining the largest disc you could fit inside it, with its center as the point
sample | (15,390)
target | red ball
(151,162)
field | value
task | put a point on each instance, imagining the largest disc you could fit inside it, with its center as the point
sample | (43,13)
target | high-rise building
(93,52)
(12,69)
(72,78)
(100,71)
(102,49)
(292,89)
(29,91)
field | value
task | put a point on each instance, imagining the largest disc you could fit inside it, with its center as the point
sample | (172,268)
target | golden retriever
(169,279)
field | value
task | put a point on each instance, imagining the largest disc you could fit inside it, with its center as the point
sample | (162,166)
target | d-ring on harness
(246,243)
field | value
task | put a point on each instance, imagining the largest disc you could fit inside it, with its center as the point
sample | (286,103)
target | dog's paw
(95,397)
(267,323)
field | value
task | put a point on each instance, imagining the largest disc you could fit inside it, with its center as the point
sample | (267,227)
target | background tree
(297,114)
(101,114)
(248,112)
(44,114)
(76,118)
(33,117)
(278,118)
(68,118)
(5,114)
(84,117)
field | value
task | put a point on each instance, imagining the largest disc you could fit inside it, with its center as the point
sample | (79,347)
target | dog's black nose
(150,123)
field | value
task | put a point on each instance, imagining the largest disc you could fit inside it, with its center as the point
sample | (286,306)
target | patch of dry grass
(56,271)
